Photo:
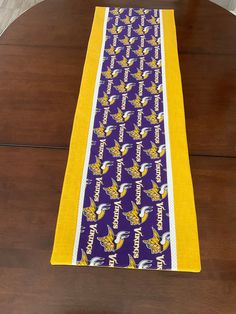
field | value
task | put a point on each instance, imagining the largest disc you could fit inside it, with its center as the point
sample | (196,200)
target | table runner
(127,198)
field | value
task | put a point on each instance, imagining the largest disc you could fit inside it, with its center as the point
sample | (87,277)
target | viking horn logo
(115,191)
(138,216)
(95,261)
(95,213)
(113,242)
(157,243)
(143,264)
(138,171)
(99,167)
(156,194)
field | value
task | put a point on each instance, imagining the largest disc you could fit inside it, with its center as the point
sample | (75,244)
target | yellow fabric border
(68,211)
(188,258)
(187,246)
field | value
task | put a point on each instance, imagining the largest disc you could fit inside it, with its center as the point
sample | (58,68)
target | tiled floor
(11,9)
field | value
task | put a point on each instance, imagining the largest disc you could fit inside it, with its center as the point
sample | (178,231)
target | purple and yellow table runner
(127,199)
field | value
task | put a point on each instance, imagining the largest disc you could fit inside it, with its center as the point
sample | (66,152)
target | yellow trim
(187,246)
(188,258)
(68,211)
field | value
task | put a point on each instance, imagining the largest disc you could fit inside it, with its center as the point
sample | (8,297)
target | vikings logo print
(126,63)
(113,242)
(110,74)
(141,52)
(95,261)
(120,116)
(154,64)
(103,131)
(124,87)
(138,171)
(113,50)
(117,11)
(119,150)
(125,190)
(114,30)
(157,243)
(155,152)
(128,41)
(129,20)
(138,216)
(141,75)
(99,167)
(154,41)
(153,20)
(106,100)
(143,264)
(154,89)
(139,102)
(156,194)
(95,213)
(138,133)
(116,191)
(142,30)
(153,118)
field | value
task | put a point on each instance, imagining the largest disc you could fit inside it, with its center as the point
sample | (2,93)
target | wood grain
(39,91)
(41,62)
(31,181)
(46,81)
(209,89)
(201,25)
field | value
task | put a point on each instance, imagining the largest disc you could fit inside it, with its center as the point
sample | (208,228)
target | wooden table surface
(41,61)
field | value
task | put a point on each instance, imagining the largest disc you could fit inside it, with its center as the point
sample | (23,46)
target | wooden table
(41,61)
